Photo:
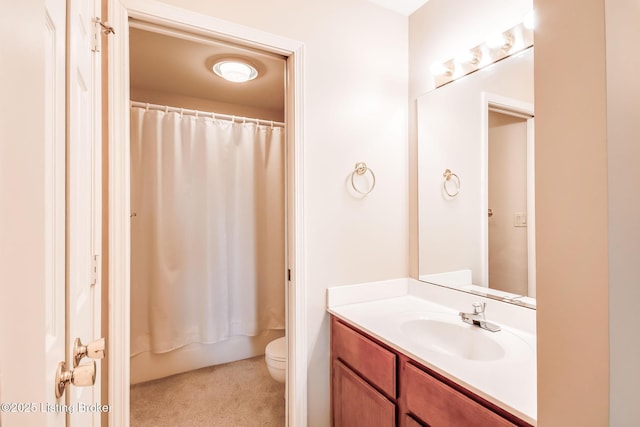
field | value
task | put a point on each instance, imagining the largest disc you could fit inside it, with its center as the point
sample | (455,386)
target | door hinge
(95,269)
(99,29)
(289,274)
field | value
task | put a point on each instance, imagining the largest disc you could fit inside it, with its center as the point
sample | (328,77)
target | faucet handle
(478,308)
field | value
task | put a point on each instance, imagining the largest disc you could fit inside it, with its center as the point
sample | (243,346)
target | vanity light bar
(495,48)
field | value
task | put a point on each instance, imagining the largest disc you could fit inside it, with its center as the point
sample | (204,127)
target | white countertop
(380,309)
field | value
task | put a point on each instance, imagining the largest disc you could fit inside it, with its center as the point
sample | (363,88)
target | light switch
(520,219)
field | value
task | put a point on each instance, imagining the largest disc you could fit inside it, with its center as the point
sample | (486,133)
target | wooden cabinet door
(356,403)
(439,405)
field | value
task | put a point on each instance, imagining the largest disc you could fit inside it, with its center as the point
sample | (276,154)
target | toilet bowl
(276,357)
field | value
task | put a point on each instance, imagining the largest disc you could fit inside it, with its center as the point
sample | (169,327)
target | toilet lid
(277,349)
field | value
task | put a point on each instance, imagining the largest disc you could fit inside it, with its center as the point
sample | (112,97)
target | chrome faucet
(477,318)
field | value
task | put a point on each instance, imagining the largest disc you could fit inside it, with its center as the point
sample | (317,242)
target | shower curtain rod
(228,117)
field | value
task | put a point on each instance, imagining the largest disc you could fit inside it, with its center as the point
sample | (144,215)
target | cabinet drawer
(373,362)
(439,405)
(356,403)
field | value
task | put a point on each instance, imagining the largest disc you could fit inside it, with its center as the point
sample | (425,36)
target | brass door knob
(93,350)
(82,376)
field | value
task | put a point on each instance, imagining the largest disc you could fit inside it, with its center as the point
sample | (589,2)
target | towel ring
(360,169)
(447,177)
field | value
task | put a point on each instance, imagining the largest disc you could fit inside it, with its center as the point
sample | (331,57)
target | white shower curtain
(207,230)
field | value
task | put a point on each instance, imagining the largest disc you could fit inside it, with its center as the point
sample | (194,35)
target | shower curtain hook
(271,124)
(146,107)
(166,109)
(181,112)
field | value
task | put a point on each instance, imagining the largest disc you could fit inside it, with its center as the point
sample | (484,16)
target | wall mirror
(476,182)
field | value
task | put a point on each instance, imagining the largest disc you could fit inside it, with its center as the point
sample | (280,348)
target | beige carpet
(235,394)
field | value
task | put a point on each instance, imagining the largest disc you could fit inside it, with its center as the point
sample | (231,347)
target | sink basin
(454,339)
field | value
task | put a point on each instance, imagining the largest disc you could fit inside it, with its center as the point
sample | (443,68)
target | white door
(40,230)
(55,208)
(84,220)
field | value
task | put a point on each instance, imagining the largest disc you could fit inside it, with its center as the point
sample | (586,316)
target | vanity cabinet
(375,385)
(363,379)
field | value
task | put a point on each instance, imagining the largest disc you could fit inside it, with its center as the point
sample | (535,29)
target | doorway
(119,182)
(507,214)
(507,210)
(207,228)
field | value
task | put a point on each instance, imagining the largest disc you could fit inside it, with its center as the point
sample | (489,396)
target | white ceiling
(404,7)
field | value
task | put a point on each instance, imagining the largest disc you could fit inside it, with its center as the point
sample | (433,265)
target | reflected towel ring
(447,177)
(360,169)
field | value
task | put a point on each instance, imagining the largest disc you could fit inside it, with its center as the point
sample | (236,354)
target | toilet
(276,357)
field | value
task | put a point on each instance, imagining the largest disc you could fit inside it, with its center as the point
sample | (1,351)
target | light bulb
(439,69)
(529,20)
(464,57)
(495,41)
(469,57)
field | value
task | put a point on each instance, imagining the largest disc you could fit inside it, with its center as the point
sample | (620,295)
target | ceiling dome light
(235,71)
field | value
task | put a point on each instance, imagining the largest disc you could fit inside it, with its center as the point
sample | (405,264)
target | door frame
(119,233)
(525,110)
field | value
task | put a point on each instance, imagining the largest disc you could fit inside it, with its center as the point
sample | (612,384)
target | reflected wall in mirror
(480,128)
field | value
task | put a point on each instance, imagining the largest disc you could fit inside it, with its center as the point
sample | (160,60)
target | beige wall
(22,217)
(355,64)
(571,214)
(623,139)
